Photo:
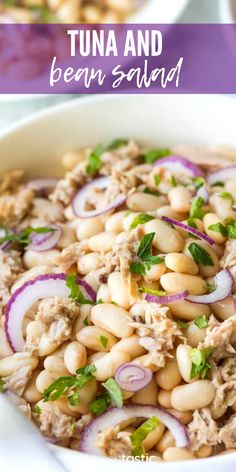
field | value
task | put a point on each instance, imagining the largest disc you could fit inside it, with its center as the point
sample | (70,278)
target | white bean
(174,283)
(75,356)
(67,237)
(55,365)
(112,318)
(166,239)
(31,274)
(5,349)
(104,294)
(177,454)
(11,364)
(43,380)
(88,228)
(31,393)
(88,263)
(169,376)
(118,290)
(143,202)
(193,395)
(224,309)
(102,242)
(34,258)
(210,219)
(194,334)
(114,223)
(147,395)
(107,365)
(166,210)
(184,361)
(180,199)
(181,263)
(130,345)
(47,211)
(96,339)
(205,270)
(189,311)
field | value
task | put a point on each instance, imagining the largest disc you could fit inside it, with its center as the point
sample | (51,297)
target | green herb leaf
(182,324)
(198,182)
(2,386)
(145,246)
(154,154)
(152,291)
(137,268)
(219,228)
(94,161)
(174,181)
(101,404)
(196,208)
(63,385)
(141,219)
(201,321)
(114,391)
(157,179)
(149,191)
(75,291)
(210,288)
(117,143)
(23,238)
(74,399)
(103,341)
(85,321)
(138,436)
(231,230)
(228,196)
(37,410)
(200,364)
(200,255)
(218,184)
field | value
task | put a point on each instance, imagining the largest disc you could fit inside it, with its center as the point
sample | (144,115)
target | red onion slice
(224,285)
(222,175)
(114,416)
(175,297)
(189,229)
(80,200)
(44,286)
(133,377)
(179,165)
(38,185)
(45,241)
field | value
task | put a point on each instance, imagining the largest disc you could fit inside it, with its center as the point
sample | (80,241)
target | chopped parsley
(37,410)
(200,255)
(228,230)
(114,391)
(101,404)
(182,324)
(219,228)
(94,160)
(200,364)
(103,341)
(152,291)
(69,385)
(228,196)
(85,321)
(210,288)
(23,238)
(112,395)
(201,321)
(155,154)
(157,179)
(74,399)
(2,385)
(75,291)
(138,436)
(149,191)
(174,182)
(146,256)
(117,143)
(198,182)
(141,219)
(196,208)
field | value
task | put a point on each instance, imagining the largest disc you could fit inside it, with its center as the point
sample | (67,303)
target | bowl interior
(38,143)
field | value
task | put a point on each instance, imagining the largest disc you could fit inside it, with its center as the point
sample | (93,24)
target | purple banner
(83,59)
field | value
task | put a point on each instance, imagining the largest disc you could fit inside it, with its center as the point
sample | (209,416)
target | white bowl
(38,143)
(159,11)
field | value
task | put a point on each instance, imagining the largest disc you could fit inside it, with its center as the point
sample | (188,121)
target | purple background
(208,51)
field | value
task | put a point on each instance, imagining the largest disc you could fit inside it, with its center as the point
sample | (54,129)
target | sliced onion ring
(179,165)
(171,298)
(44,286)
(45,241)
(115,416)
(81,198)
(133,377)
(38,185)
(189,229)
(222,175)
(224,284)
